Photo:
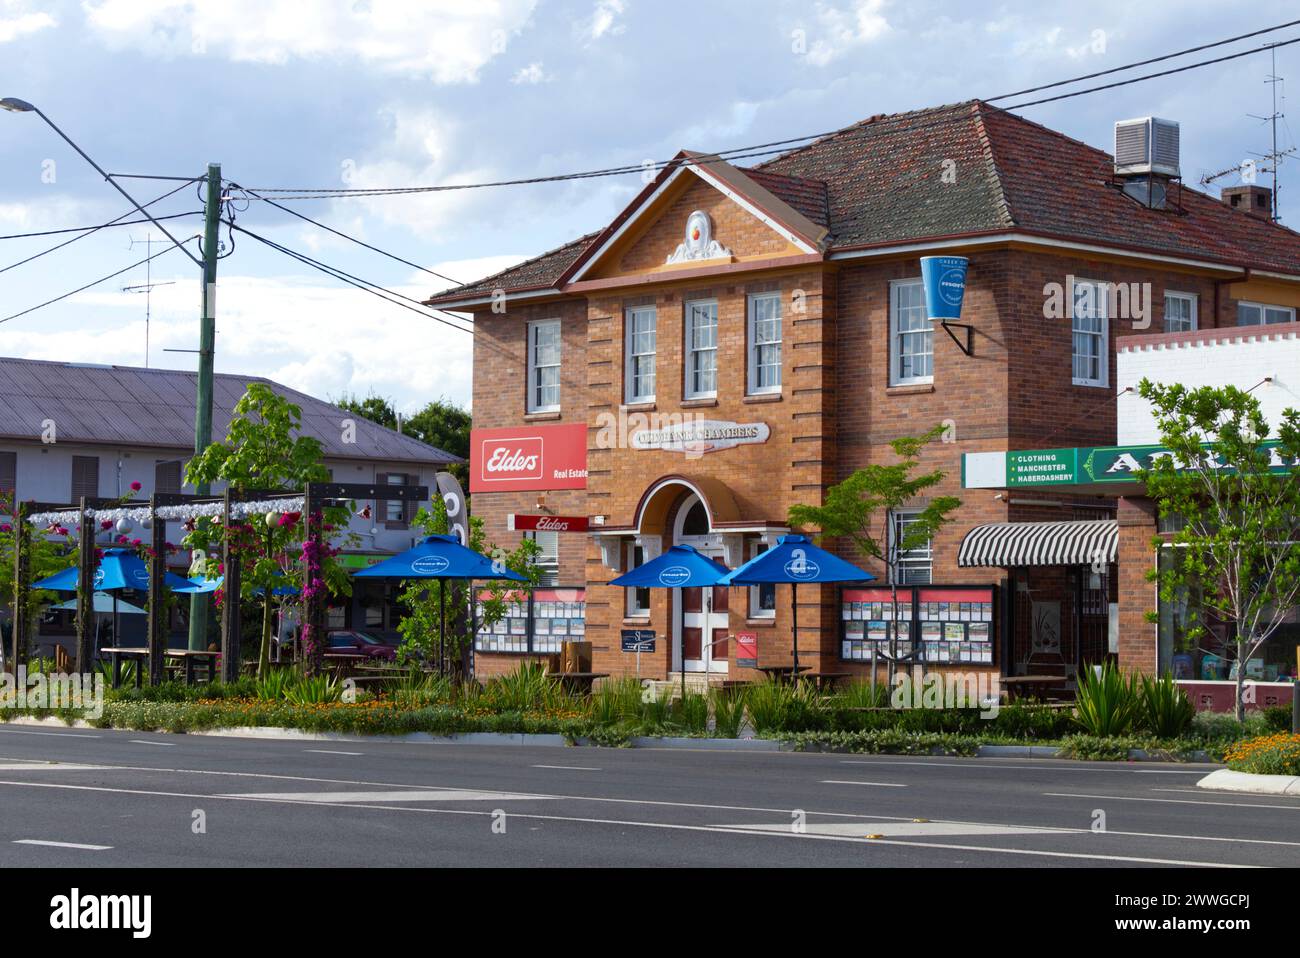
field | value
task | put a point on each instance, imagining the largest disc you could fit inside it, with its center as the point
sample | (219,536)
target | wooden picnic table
(1031,686)
(780,673)
(116,654)
(826,681)
(578,681)
(189,657)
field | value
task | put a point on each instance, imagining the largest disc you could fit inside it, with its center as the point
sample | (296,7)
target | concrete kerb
(1226,780)
(553,741)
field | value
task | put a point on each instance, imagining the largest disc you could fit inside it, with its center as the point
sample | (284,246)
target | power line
(761,149)
(102,279)
(90,230)
(87,229)
(330,229)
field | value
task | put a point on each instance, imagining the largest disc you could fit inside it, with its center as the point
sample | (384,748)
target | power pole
(203,399)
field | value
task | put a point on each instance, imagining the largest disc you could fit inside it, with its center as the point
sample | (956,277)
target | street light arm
(15,105)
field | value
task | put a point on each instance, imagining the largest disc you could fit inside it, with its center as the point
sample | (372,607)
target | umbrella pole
(681,645)
(442,626)
(794,612)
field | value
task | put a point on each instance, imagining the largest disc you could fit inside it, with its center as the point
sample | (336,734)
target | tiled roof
(882,181)
(130,406)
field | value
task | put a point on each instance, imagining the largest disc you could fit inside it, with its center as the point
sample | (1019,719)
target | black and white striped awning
(1008,544)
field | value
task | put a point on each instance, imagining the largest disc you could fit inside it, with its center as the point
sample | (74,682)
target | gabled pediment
(701,211)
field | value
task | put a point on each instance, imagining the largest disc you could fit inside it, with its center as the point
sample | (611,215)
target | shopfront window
(701,350)
(548,557)
(1212,656)
(911,335)
(915,564)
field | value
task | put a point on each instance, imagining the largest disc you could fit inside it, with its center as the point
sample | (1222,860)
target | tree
(263,451)
(441,424)
(422,627)
(1236,502)
(45,557)
(862,508)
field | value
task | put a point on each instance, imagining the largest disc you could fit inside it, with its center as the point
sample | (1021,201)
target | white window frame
(1103,300)
(630,316)
(633,609)
(1263,308)
(531,403)
(1193,310)
(751,336)
(896,377)
(913,559)
(756,548)
(691,350)
(547,561)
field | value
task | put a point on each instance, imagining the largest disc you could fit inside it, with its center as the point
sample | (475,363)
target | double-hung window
(913,566)
(638,598)
(1261,314)
(1090,325)
(640,352)
(911,335)
(1180,312)
(548,555)
(702,349)
(544,366)
(764,373)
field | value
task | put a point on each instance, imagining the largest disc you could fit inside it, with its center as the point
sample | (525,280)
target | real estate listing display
(943,623)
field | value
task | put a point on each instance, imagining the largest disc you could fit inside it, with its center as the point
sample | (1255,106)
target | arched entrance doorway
(701,621)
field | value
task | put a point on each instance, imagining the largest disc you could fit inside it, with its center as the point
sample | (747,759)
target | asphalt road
(86,798)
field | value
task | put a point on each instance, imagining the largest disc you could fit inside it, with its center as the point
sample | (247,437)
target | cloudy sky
(375,93)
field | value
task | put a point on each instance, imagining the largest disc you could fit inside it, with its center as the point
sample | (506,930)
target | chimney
(1257,201)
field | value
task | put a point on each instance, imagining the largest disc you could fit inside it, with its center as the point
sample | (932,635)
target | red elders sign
(528,458)
(546,523)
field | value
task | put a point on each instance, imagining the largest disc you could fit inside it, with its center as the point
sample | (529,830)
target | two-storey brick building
(739,339)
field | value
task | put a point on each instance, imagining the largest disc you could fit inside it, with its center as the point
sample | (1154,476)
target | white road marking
(44,766)
(569,768)
(330,751)
(663,825)
(24,731)
(835,781)
(905,829)
(1170,801)
(145,741)
(1036,765)
(39,841)
(427,795)
(1168,771)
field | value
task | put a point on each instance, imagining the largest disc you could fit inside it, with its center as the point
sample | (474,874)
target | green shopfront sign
(1101,464)
(358,560)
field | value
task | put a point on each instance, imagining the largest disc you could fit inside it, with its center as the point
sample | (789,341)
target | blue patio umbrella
(680,567)
(795,559)
(439,557)
(212,585)
(117,569)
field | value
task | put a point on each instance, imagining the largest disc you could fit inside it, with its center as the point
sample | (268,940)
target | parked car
(358,642)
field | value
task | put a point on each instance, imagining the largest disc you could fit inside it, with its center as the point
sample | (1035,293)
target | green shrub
(1167,712)
(616,701)
(691,712)
(526,688)
(316,690)
(783,707)
(1107,703)
(1277,718)
(728,712)
(275,685)
(1276,754)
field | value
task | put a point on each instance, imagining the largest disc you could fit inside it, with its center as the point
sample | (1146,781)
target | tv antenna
(147,286)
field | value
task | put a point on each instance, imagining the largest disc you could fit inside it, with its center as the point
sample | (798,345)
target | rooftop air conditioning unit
(1147,145)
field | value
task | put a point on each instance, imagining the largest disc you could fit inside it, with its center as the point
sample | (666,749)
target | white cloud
(16,21)
(447,40)
(531,74)
(840,31)
(604,20)
(325,340)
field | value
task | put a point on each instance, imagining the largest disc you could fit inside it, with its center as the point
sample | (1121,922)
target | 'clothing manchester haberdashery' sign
(1084,466)
(700,436)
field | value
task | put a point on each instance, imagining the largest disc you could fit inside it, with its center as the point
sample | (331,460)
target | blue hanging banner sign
(944,278)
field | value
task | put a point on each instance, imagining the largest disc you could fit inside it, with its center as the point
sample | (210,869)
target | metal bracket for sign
(969,347)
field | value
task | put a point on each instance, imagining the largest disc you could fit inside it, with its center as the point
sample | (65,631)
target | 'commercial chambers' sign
(700,436)
(528,458)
